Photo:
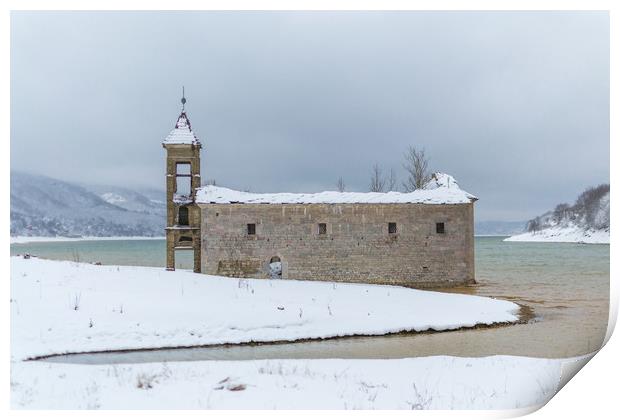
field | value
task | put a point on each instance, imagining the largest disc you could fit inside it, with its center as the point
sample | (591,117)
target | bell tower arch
(182,178)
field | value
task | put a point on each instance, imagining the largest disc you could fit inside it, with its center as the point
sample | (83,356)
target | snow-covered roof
(441,189)
(182,132)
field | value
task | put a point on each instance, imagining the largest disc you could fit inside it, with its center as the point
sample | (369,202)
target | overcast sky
(514,105)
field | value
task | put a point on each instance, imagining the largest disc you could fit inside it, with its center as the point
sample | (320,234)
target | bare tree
(416,165)
(561,212)
(588,205)
(211,182)
(377,183)
(340,184)
(391,182)
(534,225)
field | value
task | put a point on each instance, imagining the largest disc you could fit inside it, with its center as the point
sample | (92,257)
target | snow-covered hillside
(586,221)
(144,201)
(43,206)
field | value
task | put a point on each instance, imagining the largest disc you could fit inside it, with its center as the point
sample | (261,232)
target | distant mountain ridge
(498,228)
(587,220)
(44,206)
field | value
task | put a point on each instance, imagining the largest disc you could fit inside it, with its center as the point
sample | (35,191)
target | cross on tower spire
(183,100)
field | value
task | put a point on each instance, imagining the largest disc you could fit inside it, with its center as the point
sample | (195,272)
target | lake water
(566,286)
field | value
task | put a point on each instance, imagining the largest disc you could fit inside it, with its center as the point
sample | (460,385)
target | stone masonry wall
(182,236)
(356,248)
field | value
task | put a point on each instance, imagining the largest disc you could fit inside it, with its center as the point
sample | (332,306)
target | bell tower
(182,178)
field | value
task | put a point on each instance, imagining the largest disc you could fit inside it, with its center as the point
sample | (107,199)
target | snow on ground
(31,239)
(564,234)
(62,307)
(59,307)
(441,189)
(437,382)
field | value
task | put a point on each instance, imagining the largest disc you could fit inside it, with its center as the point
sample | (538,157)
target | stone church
(424,238)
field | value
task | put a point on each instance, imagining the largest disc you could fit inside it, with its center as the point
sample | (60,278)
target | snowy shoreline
(571,234)
(60,307)
(34,239)
(521,319)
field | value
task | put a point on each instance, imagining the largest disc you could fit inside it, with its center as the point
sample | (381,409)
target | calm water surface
(566,285)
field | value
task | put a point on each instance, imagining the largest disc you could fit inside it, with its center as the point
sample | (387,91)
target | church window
(183,216)
(183,179)
(440,227)
(184,169)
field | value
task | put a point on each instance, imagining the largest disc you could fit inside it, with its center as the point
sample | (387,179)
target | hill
(43,206)
(586,221)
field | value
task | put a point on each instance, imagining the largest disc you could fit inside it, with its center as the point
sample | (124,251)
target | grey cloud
(514,105)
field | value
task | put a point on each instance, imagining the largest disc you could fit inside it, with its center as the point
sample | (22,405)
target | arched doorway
(275,268)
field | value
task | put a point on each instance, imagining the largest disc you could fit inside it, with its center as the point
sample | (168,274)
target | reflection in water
(566,285)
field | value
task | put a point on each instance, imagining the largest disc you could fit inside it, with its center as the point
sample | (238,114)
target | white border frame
(592,393)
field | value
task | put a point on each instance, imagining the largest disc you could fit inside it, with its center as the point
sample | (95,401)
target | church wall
(356,247)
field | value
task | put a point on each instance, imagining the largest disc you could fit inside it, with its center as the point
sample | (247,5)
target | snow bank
(564,234)
(441,180)
(30,239)
(61,307)
(438,382)
(442,189)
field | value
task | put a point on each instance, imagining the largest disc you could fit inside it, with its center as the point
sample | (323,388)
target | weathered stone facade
(356,246)
(183,216)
